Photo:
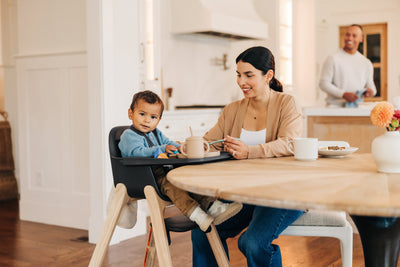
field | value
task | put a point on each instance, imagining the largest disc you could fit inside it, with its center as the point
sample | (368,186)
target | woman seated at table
(264,120)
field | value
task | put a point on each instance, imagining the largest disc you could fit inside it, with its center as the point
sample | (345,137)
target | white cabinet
(175,124)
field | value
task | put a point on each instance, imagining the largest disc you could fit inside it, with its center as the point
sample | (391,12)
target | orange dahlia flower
(382,114)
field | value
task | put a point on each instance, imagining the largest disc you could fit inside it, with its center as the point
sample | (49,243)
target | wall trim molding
(50,54)
(54,189)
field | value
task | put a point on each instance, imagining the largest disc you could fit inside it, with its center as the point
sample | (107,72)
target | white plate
(336,153)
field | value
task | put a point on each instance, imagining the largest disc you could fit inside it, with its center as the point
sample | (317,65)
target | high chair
(134,179)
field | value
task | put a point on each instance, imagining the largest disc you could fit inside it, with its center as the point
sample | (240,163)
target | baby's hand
(170,149)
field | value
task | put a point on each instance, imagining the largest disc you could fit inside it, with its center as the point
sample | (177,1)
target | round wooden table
(351,184)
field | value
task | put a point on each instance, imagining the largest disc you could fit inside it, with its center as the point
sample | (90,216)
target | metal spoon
(221,140)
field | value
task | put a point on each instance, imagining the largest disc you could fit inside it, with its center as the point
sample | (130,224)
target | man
(347,74)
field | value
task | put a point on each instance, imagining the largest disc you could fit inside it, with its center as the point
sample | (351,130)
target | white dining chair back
(326,224)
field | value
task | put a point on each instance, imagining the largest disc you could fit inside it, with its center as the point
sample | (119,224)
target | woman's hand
(237,149)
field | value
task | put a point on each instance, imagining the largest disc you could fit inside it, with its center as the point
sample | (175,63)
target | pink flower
(396,119)
(396,114)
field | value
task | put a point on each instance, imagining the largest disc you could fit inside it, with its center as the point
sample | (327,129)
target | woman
(265,120)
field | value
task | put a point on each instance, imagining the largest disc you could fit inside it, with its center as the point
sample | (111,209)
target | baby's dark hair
(149,97)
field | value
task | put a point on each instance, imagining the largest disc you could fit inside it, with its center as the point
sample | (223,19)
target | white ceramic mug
(304,148)
(195,147)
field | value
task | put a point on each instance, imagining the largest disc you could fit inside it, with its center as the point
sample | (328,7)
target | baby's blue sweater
(132,144)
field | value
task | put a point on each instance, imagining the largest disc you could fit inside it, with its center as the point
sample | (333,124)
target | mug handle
(208,147)
(288,146)
(183,149)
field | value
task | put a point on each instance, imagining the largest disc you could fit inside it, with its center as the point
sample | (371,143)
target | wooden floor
(25,243)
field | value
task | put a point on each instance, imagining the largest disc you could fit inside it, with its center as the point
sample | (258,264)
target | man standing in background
(346,74)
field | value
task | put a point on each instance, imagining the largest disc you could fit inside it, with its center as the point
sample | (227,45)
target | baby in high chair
(143,139)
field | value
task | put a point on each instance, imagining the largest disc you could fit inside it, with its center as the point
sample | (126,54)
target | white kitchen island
(175,123)
(352,125)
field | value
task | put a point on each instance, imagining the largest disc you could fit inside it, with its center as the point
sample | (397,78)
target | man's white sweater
(343,72)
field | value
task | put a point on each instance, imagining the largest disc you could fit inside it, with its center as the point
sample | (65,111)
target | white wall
(332,14)
(304,73)
(52,112)
(187,60)
(9,48)
(51,26)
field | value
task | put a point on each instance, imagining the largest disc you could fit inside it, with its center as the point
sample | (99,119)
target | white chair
(327,224)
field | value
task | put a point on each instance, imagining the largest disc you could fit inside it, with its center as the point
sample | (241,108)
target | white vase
(386,152)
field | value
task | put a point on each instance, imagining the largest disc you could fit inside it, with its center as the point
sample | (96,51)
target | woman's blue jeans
(264,225)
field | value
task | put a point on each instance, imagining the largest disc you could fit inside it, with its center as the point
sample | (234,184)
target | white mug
(304,148)
(195,147)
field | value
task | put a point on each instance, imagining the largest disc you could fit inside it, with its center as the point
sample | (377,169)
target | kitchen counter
(175,123)
(324,111)
(192,111)
(352,125)
(200,107)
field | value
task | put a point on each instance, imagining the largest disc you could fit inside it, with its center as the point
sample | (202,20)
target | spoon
(221,140)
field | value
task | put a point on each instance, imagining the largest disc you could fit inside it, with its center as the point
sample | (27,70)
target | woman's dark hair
(262,59)
(149,97)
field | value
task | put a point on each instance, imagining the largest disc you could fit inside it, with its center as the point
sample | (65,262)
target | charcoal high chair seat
(134,179)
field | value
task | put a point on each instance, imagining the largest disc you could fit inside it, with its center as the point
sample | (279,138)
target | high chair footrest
(179,223)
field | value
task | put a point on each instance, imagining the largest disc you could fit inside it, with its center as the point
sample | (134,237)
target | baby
(143,139)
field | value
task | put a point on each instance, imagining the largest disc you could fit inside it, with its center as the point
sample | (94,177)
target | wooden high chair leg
(217,247)
(150,250)
(156,208)
(119,200)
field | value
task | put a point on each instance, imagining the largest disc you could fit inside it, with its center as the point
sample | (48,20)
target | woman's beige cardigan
(284,122)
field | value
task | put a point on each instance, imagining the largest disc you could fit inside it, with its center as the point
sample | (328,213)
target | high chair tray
(134,161)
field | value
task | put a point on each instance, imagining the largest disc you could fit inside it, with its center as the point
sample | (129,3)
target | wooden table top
(351,183)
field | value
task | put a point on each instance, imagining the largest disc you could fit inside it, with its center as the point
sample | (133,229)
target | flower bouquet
(386,148)
(384,115)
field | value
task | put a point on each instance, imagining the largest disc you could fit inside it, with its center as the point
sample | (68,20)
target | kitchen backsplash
(189,66)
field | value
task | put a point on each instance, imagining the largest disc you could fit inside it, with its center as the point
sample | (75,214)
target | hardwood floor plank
(26,244)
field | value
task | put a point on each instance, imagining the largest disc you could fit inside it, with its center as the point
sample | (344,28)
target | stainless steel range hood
(236,19)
